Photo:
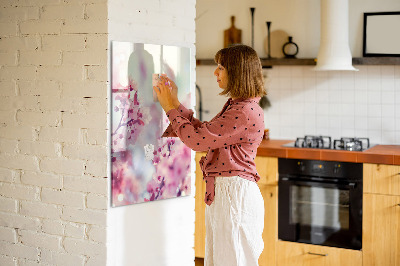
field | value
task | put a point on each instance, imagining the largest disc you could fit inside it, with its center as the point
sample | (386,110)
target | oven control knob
(302,167)
(336,169)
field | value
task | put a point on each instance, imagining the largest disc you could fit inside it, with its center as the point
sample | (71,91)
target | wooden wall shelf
(312,61)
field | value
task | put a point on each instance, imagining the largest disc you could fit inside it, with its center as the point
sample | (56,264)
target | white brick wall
(166,225)
(53,111)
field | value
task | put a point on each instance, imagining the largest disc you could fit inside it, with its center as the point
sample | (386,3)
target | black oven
(320,202)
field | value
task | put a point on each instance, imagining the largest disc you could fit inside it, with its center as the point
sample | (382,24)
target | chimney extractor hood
(334,51)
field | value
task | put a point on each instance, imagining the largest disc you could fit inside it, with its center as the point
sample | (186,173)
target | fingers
(164,81)
(157,90)
(164,85)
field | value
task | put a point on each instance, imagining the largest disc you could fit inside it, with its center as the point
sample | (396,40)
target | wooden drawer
(381,179)
(298,254)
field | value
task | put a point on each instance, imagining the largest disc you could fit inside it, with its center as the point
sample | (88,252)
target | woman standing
(235,207)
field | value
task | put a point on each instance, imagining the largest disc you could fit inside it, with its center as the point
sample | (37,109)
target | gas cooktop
(325,142)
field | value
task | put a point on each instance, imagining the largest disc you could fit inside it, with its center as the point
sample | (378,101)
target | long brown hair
(245,78)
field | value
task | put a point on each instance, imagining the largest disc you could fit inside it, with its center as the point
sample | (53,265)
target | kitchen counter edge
(379,154)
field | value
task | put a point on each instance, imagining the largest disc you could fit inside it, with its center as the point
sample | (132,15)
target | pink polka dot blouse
(231,139)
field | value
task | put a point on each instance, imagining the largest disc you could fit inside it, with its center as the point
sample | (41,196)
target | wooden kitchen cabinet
(381,221)
(298,254)
(270,233)
(267,168)
(200,207)
(381,230)
(381,179)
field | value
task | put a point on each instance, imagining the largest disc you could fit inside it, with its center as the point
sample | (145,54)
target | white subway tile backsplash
(285,72)
(361,110)
(334,81)
(347,110)
(308,72)
(360,83)
(397,72)
(361,123)
(374,84)
(389,136)
(338,104)
(374,111)
(374,123)
(388,110)
(387,72)
(348,122)
(297,120)
(322,109)
(322,96)
(397,110)
(374,70)
(322,121)
(297,83)
(360,97)
(388,124)
(322,83)
(334,109)
(335,95)
(310,108)
(335,122)
(388,84)
(348,96)
(284,83)
(375,136)
(286,120)
(388,97)
(374,97)
(297,72)
(310,95)
(348,133)
(297,96)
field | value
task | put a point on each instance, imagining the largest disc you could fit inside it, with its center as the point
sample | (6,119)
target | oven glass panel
(317,207)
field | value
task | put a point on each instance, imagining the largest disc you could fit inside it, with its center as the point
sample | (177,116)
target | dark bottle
(290,49)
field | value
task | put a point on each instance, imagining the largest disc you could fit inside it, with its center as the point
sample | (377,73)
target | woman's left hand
(164,96)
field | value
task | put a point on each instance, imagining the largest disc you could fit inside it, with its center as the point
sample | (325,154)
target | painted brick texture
(53,132)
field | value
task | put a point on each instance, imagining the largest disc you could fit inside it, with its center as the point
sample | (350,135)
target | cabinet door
(267,168)
(297,254)
(270,233)
(200,207)
(381,230)
(381,179)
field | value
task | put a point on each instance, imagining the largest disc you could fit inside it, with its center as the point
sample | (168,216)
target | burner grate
(351,144)
(320,142)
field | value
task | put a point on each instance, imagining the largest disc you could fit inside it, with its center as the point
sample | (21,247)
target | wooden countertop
(379,154)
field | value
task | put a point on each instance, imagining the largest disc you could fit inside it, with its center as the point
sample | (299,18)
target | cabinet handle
(318,254)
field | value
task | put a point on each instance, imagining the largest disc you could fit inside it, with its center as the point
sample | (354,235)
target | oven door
(321,212)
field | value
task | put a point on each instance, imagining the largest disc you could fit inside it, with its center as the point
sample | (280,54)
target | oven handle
(298,181)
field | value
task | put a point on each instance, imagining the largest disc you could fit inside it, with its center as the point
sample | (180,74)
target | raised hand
(164,94)
(174,89)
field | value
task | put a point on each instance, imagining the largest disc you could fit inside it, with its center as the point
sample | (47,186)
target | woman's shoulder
(248,104)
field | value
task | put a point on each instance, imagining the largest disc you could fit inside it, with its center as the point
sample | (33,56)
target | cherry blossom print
(145,166)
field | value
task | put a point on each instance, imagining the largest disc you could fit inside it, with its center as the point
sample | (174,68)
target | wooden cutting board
(232,35)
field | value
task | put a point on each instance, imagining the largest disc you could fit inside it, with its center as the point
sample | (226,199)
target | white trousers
(234,223)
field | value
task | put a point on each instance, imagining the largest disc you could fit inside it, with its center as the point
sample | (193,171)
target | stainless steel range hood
(334,52)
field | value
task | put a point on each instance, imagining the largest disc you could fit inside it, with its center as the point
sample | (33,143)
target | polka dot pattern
(231,139)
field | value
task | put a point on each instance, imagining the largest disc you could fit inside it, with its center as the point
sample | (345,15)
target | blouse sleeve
(188,114)
(224,130)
